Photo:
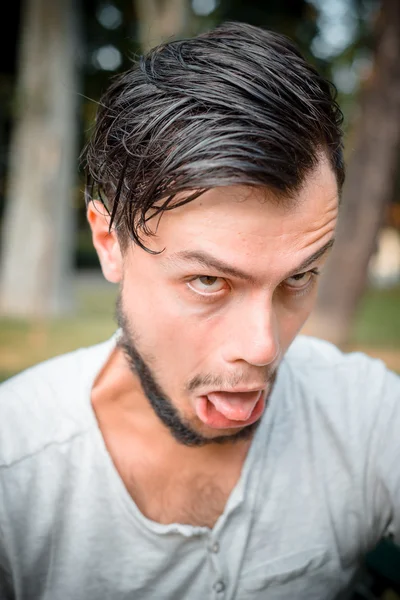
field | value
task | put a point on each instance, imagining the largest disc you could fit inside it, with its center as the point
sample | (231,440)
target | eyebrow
(308,261)
(204,259)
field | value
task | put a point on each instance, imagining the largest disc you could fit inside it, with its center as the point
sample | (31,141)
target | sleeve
(6,592)
(6,583)
(383,450)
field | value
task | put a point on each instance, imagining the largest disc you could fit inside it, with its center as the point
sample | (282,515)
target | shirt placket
(218,584)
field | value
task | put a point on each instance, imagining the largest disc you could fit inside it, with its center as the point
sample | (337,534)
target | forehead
(236,221)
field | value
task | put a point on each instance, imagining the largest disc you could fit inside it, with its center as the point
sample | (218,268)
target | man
(195,455)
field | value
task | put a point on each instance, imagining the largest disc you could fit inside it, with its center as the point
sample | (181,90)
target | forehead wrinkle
(314,257)
(320,234)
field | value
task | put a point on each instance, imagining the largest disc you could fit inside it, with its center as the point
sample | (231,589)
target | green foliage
(378,320)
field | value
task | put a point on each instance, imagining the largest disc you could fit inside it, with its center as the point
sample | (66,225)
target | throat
(182,488)
(193,501)
(173,484)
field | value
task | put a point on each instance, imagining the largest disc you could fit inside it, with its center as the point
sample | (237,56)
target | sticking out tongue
(235,406)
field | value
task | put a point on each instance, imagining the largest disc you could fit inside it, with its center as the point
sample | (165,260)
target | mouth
(230,410)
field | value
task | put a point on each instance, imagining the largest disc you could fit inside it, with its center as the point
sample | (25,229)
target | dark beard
(180,429)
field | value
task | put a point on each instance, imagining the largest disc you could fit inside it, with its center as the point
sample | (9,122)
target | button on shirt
(219,586)
(319,487)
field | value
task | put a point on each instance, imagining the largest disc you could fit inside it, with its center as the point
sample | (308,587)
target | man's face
(212,315)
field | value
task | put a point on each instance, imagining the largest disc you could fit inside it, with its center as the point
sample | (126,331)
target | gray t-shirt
(320,486)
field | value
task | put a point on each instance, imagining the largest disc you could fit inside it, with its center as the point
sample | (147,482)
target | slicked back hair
(238,105)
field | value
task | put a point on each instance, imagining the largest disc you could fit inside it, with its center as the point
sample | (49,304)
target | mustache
(230,381)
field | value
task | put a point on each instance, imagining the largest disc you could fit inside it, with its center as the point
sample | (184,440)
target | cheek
(168,329)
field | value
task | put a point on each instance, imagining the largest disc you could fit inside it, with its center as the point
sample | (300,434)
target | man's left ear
(105,242)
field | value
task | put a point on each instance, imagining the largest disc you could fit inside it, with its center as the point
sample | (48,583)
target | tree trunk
(161,20)
(368,189)
(38,223)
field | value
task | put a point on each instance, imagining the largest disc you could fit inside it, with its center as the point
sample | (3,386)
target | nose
(254,336)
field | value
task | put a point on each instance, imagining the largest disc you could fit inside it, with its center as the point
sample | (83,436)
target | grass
(24,343)
(376,329)
(378,319)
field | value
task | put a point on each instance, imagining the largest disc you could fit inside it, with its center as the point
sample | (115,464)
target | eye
(206,284)
(301,280)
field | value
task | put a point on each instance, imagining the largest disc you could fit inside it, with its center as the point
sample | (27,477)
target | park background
(56,59)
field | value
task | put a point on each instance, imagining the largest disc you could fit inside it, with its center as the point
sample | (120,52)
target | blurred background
(55,61)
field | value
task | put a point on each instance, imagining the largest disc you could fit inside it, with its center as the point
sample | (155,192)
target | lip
(239,390)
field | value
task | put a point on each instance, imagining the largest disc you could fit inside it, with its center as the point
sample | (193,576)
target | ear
(105,242)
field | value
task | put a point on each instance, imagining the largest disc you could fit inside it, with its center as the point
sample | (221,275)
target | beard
(179,427)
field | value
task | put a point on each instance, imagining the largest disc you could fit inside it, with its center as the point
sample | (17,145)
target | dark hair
(236,105)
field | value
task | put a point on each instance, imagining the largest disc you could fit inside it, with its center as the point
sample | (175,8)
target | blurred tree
(38,220)
(295,18)
(161,20)
(369,186)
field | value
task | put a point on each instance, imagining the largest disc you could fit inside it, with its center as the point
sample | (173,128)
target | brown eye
(206,284)
(301,280)
(207,280)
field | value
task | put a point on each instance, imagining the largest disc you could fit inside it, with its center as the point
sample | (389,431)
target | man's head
(219,162)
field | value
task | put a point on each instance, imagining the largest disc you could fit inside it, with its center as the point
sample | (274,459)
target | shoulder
(48,403)
(344,410)
(318,359)
(352,390)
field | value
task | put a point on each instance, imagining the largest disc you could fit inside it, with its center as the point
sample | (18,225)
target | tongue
(235,406)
